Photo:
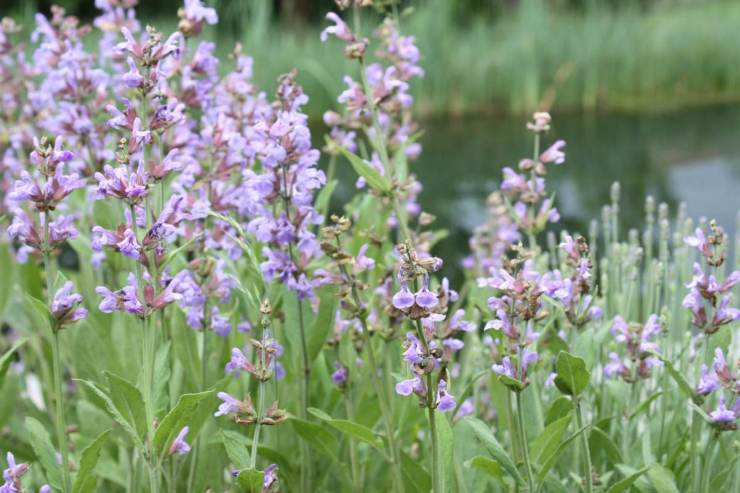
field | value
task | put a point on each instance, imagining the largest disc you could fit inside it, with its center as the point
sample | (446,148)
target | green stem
(436,477)
(258,424)
(708,460)
(523,442)
(584,443)
(147,354)
(356,484)
(61,426)
(60,419)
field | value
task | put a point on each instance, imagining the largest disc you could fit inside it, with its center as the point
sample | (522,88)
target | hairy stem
(436,476)
(523,441)
(584,443)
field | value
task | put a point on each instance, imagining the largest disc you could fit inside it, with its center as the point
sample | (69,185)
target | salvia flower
(12,475)
(640,345)
(179,446)
(65,306)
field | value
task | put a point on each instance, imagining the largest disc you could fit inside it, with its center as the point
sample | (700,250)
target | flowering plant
(224,326)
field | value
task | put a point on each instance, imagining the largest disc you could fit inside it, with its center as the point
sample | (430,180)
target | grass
(623,60)
(677,55)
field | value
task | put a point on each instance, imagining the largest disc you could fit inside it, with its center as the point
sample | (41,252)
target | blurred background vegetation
(644,92)
(497,56)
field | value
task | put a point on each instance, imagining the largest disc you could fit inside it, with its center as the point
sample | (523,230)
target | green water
(691,156)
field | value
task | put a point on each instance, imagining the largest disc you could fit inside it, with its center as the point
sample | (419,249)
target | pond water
(691,156)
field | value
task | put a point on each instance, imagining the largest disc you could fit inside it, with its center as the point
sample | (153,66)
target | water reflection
(690,156)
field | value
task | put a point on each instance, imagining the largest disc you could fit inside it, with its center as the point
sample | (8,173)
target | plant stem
(356,484)
(436,486)
(584,442)
(258,424)
(708,459)
(147,355)
(61,423)
(523,441)
(59,405)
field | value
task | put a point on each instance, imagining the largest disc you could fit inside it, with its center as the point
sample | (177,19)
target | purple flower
(554,153)
(65,305)
(133,78)
(220,324)
(129,246)
(12,475)
(467,408)
(230,405)
(719,365)
(403,299)
(340,375)
(722,415)
(179,446)
(412,385)
(339,29)
(445,401)
(425,298)
(615,367)
(504,369)
(708,382)
(270,477)
(414,352)
(196,12)
(363,262)
(238,362)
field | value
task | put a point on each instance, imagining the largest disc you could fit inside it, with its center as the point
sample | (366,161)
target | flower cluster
(44,192)
(530,206)
(639,341)
(722,379)
(282,212)
(708,299)
(517,307)
(380,107)
(12,477)
(574,293)
(432,346)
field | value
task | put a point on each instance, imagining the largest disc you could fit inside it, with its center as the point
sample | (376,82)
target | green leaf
(37,312)
(85,482)
(514,384)
(486,465)
(550,461)
(350,428)
(572,376)
(324,322)
(624,484)
(179,416)
(250,480)
(546,443)
(484,434)
(445,443)
(7,359)
(661,479)
(316,436)
(113,411)
(416,479)
(680,380)
(559,408)
(600,441)
(45,451)
(644,405)
(237,448)
(129,402)
(371,175)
